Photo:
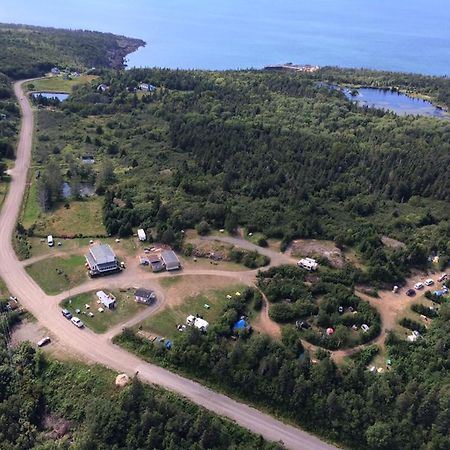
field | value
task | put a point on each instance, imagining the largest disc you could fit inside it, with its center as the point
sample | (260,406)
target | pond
(61,96)
(396,102)
(86,190)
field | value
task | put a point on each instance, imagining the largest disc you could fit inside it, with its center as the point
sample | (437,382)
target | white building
(108,301)
(308,264)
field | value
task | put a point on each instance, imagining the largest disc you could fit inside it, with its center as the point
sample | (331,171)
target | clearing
(59,84)
(56,275)
(126,308)
(318,248)
(189,297)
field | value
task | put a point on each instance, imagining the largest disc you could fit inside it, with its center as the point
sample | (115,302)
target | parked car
(410,292)
(418,286)
(429,282)
(443,277)
(365,327)
(77,322)
(43,341)
(66,313)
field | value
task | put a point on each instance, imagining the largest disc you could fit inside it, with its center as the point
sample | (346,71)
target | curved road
(99,349)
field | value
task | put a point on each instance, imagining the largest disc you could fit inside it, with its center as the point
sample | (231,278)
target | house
(308,264)
(197,322)
(107,300)
(87,159)
(101,260)
(170,260)
(156,263)
(141,235)
(144,296)
(102,87)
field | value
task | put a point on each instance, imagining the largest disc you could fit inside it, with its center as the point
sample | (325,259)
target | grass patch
(164,323)
(59,84)
(169,281)
(126,308)
(4,292)
(83,218)
(31,210)
(56,275)
(4,186)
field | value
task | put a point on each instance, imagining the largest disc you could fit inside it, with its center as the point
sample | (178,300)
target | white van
(50,241)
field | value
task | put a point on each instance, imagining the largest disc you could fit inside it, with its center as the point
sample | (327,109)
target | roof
(104,298)
(102,253)
(170,258)
(144,293)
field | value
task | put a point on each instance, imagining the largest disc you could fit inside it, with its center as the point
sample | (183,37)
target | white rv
(308,264)
(50,241)
(197,322)
(141,235)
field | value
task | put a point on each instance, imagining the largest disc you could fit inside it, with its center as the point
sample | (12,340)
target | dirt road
(99,349)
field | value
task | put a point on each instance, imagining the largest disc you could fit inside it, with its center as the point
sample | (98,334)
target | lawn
(126,308)
(81,218)
(56,275)
(58,84)
(164,323)
(31,210)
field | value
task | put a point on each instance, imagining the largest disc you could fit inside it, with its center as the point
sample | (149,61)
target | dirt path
(98,348)
(264,323)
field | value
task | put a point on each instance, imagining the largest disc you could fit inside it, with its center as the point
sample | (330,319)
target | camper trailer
(308,264)
(141,235)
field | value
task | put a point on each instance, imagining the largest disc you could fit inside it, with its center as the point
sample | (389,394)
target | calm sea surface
(401,35)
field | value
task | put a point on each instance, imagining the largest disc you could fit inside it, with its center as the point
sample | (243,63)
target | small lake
(396,102)
(86,190)
(61,96)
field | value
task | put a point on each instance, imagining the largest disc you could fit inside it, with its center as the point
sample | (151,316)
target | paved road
(98,348)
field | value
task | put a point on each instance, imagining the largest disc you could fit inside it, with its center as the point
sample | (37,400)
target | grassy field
(126,308)
(82,218)
(4,293)
(164,323)
(56,275)
(4,185)
(58,84)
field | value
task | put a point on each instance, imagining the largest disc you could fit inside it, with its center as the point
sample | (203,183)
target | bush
(203,228)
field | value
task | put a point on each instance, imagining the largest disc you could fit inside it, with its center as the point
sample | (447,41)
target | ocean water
(400,35)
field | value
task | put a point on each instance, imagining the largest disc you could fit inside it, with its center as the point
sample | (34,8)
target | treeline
(29,51)
(405,408)
(9,118)
(49,404)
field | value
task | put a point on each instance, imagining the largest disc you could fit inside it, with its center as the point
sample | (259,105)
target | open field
(81,218)
(56,275)
(126,308)
(58,84)
(164,323)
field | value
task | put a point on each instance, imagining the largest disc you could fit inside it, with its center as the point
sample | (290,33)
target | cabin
(107,300)
(102,260)
(198,323)
(170,260)
(144,296)
(87,159)
(308,264)
(141,235)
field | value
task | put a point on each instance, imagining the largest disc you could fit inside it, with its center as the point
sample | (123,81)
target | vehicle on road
(43,341)
(66,313)
(418,286)
(77,322)
(429,282)
(410,292)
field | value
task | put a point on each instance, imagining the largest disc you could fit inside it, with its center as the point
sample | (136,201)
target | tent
(240,324)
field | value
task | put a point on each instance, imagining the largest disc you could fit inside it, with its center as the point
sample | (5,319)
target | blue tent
(240,325)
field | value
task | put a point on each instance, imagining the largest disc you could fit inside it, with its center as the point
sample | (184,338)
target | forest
(276,153)
(30,51)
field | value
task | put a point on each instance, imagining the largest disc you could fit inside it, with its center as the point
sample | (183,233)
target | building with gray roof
(170,260)
(102,260)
